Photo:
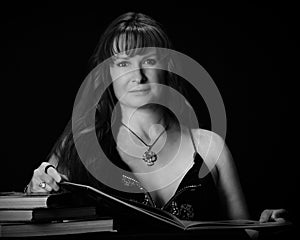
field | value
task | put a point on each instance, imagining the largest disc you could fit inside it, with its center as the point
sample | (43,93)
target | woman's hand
(273,215)
(45,179)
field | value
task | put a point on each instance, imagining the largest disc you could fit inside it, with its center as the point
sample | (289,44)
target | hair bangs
(134,41)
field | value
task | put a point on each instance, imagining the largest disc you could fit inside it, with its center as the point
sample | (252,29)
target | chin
(143,102)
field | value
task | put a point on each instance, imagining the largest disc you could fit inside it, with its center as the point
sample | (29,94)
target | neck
(147,123)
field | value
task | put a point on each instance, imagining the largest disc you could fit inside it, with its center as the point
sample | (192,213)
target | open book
(149,215)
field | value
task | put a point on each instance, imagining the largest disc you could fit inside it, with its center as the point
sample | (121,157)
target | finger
(278,215)
(38,177)
(35,186)
(50,181)
(265,216)
(43,177)
(48,188)
(280,220)
(51,171)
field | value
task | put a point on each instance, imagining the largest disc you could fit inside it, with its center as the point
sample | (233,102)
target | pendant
(149,157)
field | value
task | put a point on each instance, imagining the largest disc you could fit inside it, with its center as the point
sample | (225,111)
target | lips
(140,90)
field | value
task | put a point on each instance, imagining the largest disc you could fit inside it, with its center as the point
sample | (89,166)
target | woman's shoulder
(207,139)
(209,145)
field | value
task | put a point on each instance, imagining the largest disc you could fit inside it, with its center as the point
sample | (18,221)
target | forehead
(132,54)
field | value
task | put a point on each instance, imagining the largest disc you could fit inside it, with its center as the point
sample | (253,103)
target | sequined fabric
(195,198)
(184,211)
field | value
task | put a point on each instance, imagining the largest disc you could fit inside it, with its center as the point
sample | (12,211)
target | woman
(160,156)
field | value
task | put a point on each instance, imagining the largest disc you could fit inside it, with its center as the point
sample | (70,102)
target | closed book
(47,214)
(56,228)
(19,200)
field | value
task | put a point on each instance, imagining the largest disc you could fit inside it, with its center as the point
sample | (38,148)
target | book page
(239,223)
(138,207)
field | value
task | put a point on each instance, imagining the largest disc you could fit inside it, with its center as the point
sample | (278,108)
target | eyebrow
(126,58)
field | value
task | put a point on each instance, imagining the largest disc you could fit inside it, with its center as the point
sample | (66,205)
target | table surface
(150,233)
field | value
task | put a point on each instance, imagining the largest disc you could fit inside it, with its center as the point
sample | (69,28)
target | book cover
(57,228)
(47,214)
(19,200)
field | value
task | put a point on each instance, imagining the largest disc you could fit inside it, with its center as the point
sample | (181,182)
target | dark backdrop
(45,53)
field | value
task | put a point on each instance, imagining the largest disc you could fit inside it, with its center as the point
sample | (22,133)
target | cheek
(154,75)
(113,73)
(118,88)
(117,82)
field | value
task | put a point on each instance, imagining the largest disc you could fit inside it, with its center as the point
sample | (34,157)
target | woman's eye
(122,64)
(150,62)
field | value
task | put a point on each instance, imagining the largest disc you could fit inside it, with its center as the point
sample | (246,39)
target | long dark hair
(137,31)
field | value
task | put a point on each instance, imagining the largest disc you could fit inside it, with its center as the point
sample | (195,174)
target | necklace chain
(149,156)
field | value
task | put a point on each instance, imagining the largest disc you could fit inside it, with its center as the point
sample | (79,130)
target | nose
(138,75)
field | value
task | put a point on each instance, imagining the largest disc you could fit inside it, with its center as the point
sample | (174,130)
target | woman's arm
(50,177)
(53,160)
(228,181)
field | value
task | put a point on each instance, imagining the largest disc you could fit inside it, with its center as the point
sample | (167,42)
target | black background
(45,52)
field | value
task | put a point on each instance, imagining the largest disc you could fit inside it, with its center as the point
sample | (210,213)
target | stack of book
(48,214)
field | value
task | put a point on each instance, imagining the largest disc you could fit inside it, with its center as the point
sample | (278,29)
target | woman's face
(135,78)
